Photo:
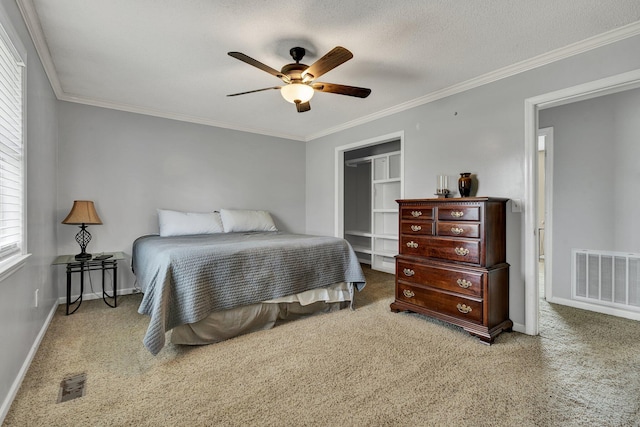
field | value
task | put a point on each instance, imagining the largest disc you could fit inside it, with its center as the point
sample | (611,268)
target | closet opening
(370,182)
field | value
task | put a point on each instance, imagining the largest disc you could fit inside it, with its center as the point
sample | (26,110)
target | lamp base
(83,238)
(83,256)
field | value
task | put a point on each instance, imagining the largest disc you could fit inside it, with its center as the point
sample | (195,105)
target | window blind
(11,152)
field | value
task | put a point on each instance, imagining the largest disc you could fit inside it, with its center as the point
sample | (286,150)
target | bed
(210,287)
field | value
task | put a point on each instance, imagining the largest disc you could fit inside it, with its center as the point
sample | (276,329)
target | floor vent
(606,278)
(72,387)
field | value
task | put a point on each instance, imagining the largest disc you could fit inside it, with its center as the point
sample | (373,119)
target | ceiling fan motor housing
(294,72)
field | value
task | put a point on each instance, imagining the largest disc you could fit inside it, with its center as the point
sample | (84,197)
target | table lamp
(82,213)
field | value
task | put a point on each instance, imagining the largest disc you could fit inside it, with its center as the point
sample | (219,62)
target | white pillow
(175,223)
(246,220)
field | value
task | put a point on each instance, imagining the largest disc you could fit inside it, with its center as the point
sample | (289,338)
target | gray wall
(479,131)
(595,155)
(627,172)
(21,321)
(131,164)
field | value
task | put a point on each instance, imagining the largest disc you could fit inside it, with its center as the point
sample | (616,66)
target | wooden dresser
(452,263)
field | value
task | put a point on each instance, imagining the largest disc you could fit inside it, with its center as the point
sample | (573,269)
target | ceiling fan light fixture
(297,92)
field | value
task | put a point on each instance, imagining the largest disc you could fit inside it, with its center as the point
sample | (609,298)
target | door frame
(548,207)
(593,89)
(339,173)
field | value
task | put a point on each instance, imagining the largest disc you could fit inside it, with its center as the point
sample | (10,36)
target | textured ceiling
(169,58)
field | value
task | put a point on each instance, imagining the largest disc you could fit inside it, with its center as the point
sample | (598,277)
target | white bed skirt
(222,325)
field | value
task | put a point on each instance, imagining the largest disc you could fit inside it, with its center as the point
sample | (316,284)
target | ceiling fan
(299,79)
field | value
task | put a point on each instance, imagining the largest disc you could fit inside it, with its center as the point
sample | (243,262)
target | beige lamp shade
(82,212)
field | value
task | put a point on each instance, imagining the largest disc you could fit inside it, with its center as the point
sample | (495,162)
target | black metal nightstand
(79,266)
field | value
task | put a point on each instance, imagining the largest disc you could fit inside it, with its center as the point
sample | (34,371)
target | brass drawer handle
(412,244)
(416,228)
(408,272)
(408,293)
(416,214)
(462,308)
(457,214)
(457,230)
(464,283)
(462,251)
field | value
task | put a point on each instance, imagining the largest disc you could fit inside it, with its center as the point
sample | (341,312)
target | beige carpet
(367,367)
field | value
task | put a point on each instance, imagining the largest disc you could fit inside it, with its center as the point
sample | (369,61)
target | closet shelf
(358,233)
(386,181)
(362,249)
(386,236)
(388,254)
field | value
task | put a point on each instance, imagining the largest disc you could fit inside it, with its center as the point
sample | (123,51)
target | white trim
(530,218)
(597,308)
(519,327)
(593,89)
(35,29)
(13,391)
(617,83)
(12,265)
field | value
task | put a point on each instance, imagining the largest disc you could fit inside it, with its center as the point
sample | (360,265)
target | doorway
(369,178)
(618,83)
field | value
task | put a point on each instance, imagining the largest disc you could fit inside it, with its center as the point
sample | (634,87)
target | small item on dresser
(102,257)
(452,263)
(464,184)
(442,189)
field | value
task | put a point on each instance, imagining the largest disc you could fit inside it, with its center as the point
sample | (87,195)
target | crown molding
(573,49)
(32,21)
(35,30)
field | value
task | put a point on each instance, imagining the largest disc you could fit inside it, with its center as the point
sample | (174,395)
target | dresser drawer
(449,278)
(459,229)
(417,227)
(416,212)
(458,250)
(431,299)
(459,213)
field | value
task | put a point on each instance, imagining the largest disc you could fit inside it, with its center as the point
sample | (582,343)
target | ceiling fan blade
(303,106)
(247,59)
(252,91)
(338,55)
(360,92)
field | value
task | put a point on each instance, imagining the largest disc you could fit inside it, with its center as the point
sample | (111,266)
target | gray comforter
(187,277)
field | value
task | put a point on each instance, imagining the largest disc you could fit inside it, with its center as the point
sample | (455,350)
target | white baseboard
(4,409)
(519,327)
(594,307)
